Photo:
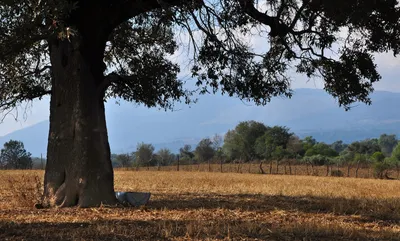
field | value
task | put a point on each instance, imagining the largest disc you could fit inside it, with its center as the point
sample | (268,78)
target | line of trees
(252,141)
(249,142)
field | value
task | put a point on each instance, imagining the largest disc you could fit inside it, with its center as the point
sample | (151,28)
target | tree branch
(124,10)
(277,28)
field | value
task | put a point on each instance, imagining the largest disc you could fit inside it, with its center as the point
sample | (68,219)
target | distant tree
(378,156)
(165,157)
(232,146)
(347,158)
(321,149)
(38,163)
(14,156)
(125,160)
(308,142)
(320,160)
(361,160)
(368,146)
(360,151)
(339,161)
(186,152)
(217,145)
(395,159)
(295,150)
(186,155)
(387,143)
(273,137)
(240,142)
(338,146)
(114,162)
(295,146)
(272,145)
(205,151)
(144,154)
(381,168)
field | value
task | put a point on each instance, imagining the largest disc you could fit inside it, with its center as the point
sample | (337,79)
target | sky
(27,115)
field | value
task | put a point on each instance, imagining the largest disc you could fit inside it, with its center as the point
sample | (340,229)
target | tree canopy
(14,156)
(137,38)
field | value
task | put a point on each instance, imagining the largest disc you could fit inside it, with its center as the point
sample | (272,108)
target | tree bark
(78,170)
(357,168)
(270,167)
(261,168)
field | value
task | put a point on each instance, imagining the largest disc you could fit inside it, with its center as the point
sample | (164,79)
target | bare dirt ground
(211,206)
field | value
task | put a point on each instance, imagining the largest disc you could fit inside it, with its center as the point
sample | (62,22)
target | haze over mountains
(309,112)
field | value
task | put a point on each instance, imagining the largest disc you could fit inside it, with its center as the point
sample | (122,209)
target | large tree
(83,52)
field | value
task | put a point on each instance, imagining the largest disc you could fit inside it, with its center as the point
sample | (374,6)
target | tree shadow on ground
(187,229)
(387,210)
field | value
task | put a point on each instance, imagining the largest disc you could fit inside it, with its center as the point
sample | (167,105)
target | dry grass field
(212,206)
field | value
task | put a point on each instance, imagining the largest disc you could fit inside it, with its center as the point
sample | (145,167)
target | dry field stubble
(201,205)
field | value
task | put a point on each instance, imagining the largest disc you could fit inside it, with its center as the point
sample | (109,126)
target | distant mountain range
(309,112)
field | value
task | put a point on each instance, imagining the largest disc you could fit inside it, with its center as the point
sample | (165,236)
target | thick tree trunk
(78,170)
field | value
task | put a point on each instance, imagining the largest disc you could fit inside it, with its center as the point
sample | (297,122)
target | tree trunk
(261,168)
(290,168)
(358,167)
(270,167)
(327,170)
(220,162)
(348,170)
(78,170)
(277,167)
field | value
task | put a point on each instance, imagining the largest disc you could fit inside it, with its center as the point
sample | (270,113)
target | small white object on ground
(134,198)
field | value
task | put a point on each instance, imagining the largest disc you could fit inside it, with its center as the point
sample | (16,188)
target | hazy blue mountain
(309,112)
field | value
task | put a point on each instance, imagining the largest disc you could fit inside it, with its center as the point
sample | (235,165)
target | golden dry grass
(216,206)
